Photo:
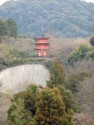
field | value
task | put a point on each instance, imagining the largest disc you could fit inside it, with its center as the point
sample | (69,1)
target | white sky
(2,1)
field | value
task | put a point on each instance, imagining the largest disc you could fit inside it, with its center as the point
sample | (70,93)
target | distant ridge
(63,18)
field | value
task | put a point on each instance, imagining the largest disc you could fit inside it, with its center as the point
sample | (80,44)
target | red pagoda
(42,46)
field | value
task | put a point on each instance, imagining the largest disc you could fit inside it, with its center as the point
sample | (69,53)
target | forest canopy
(62,18)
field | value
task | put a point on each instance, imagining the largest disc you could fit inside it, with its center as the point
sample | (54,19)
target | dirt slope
(19,77)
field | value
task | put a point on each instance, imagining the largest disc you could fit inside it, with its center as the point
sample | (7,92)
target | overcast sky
(2,1)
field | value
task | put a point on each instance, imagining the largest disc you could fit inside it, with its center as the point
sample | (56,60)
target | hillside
(63,18)
(13,80)
(21,51)
(18,78)
(22,74)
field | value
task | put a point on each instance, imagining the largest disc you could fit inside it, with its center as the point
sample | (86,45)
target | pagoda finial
(42,27)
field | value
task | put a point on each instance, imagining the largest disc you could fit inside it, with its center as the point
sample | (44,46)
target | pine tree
(12,27)
(50,108)
(57,74)
(92,40)
(3,29)
(23,106)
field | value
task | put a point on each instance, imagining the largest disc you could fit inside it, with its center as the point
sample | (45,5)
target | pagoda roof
(41,37)
(40,43)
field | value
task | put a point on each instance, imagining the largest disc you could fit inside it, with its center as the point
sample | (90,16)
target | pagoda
(42,46)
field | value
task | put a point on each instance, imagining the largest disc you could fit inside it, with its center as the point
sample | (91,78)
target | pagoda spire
(42,44)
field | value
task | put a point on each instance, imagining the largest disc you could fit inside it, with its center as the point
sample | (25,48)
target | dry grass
(4,106)
(84,99)
(83,119)
(83,66)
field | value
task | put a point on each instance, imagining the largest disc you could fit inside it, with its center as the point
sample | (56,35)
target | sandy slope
(19,77)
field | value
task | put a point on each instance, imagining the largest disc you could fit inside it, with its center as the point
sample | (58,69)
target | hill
(19,77)
(63,18)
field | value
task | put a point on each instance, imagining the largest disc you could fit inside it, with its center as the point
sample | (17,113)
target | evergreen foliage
(12,27)
(51,109)
(34,107)
(67,98)
(3,29)
(57,79)
(63,18)
(23,106)
(92,40)
(57,74)
(8,28)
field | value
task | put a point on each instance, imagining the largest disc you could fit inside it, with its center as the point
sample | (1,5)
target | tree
(23,107)
(92,40)
(34,107)
(3,29)
(79,54)
(12,27)
(51,109)
(67,98)
(73,81)
(57,74)
(30,99)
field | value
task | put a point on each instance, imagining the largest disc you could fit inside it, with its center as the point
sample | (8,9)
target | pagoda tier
(42,38)
(38,49)
(45,44)
(42,46)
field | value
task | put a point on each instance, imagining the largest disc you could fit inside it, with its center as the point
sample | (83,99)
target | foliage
(8,28)
(73,81)
(12,27)
(67,98)
(57,79)
(12,56)
(63,18)
(79,54)
(30,99)
(57,74)
(23,106)
(3,29)
(32,122)
(92,40)
(51,109)
(91,55)
(34,107)
(19,53)
(5,52)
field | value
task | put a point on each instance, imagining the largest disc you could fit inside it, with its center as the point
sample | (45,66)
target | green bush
(78,54)
(92,40)
(57,74)
(34,107)
(12,56)
(23,106)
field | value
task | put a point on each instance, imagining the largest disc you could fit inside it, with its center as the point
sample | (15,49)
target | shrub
(57,74)
(34,107)
(79,54)
(23,106)
(92,40)
(51,109)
